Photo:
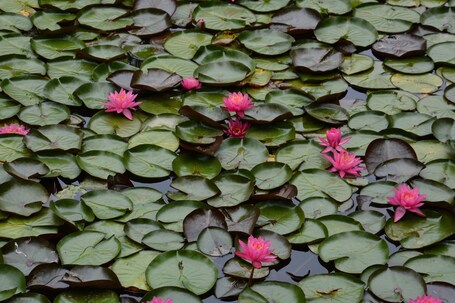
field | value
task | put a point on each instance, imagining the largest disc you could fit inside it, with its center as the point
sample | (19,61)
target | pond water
(110,201)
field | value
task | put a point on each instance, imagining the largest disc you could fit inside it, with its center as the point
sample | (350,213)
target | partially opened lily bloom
(238,103)
(14,129)
(406,199)
(256,251)
(121,102)
(425,299)
(159,300)
(333,140)
(191,84)
(345,163)
(237,128)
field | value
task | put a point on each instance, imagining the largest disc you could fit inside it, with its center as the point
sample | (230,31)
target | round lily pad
(341,287)
(87,248)
(185,269)
(272,291)
(231,17)
(396,284)
(356,30)
(354,251)
(266,41)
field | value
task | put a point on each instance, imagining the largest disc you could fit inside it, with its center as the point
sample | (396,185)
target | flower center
(257,246)
(237,99)
(408,197)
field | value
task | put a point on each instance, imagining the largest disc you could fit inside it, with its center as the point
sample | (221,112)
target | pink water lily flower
(159,300)
(425,299)
(238,103)
(256,251)
(406,199)
(191,84)
(121,102)
(333,140)
(345,163)
(237,128)
(14,129)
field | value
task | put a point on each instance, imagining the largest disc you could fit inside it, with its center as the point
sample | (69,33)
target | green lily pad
(100,164)
(45,113)
(440,170)
(376,78)
(223,16)
(337,7)
(266,41)
(184,44)
(51,21)
(416,232)
(12,281)
(341,287)
(185,269)
(214,241)
(164,240)
(56,48)
(356,64)
(421,84)
(414,65)
(441,18)
(319,183)
(22,197)
(151,21)
(234,190)
(433,268)
(310,232)
(18,65)
(131,270)
(270,291)
(318,207)
(187,185)
(26,168)
(72,210)
(89,296)
(356,30)
(354,251)
(105,18)
(280,217)
(197,132)
(270,175)
(107,204)
(182,67)
(440,53)
(241,153)
(396,284)
(149,161)
(239,268)
(387,18)
(87,248)
(43,222)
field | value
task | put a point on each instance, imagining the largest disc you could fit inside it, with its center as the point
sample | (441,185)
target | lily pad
(354,251)
(355,30)
(185,269)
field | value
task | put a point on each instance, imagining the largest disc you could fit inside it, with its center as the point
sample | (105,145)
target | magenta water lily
(425,299)
(160,300)
(191,84)
(333,140)
(14,129)
(122,102)
(237,128)
(345,163)
(238,103)
(256,251)
(406,199)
